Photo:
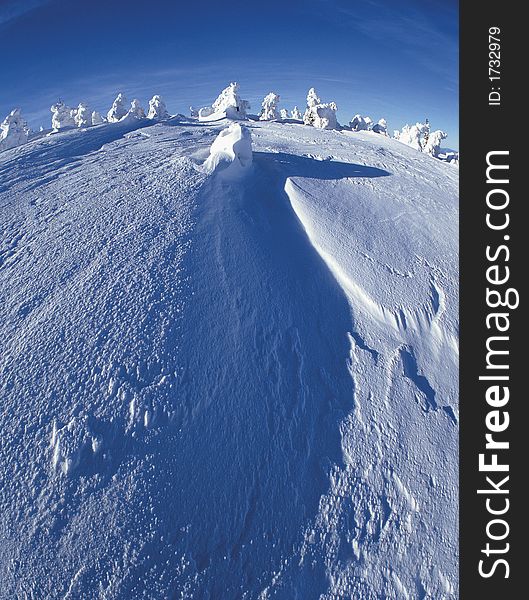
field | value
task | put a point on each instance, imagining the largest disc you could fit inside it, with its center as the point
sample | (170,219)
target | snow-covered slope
(227,388)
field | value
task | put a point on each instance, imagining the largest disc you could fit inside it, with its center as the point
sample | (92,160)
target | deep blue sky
(396,59)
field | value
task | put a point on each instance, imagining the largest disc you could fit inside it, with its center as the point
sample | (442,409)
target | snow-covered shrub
(231,152)
(14,130)
(380,127)
(193,111)
(83,115)
(270,111)
(118,109)
(157,109)
(97,119)
(296,114)
(396,134)
(433,144)
(283,113)
(228,104)
(62,116)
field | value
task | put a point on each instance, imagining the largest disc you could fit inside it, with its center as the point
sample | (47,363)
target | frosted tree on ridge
(270,111)
(283,113)
(157,108)
(62,116)
(117,110)
(14,130)
(380,127)
(83,115)
(296,114)
(433,143)
(318,114)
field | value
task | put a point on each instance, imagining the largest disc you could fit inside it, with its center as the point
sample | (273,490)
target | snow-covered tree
(433,143)
(413,136)
(14,130)
(283,113)
(325,116)
(230,102)
(97,119)
(359,123)
(157,109)
(380,127)
(193,111)
(396,134)
(270,111)
(83,115)
(296,114)
(118,109)
(135,111)
(312,101)
(62,116)
(319,114)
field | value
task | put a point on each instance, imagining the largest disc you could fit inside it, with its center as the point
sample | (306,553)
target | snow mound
(117,110)
(231,152)
(14,130)
(228,104)
(157,109)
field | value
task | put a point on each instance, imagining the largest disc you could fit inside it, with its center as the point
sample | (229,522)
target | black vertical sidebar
(493,75)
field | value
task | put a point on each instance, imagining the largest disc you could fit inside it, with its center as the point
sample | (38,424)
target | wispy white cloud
(10,10)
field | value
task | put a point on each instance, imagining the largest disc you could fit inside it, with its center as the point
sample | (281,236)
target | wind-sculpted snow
(227,387)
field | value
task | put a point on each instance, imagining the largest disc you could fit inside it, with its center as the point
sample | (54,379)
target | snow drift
(242,389)
(231,152)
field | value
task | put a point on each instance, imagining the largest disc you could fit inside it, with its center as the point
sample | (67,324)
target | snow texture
(240,387)
(14,130)
(157,109)
(270,110)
